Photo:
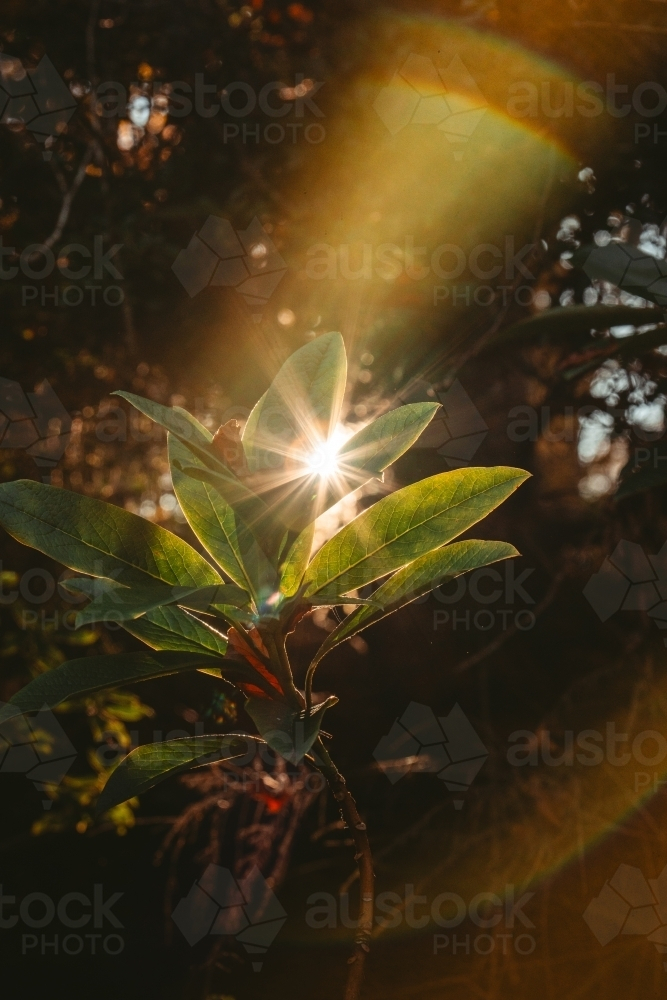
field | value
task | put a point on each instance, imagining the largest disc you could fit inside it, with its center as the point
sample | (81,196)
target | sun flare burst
(322,459)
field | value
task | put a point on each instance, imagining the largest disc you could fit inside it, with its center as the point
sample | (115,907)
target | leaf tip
(520,474)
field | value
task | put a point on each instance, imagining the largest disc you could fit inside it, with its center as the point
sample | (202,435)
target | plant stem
(282,669)
(310,673)
(364,859)
(308,687)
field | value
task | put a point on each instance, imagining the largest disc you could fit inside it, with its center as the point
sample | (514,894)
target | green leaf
(113,602)
(172,628)
(365,455)
(376,446)
(325,600)
(196,439)
(148,765)
(98,538)
(215,597)
(91,673)
(418,578)
(287,731)
(181,424)
(264,522)
(408,524)
(247,504)
(217,527)
(227,515)
(89,586)
(370,451)
(575,320)
(296,562)
(236,616)
(172,418)
(301,405)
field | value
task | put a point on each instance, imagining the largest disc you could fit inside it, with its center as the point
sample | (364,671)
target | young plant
(252,500)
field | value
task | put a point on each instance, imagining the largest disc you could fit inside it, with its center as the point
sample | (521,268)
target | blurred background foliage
(555,183)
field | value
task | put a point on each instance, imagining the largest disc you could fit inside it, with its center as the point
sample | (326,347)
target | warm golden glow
(323,459)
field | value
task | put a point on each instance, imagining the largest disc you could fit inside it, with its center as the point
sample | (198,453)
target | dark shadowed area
(189,193)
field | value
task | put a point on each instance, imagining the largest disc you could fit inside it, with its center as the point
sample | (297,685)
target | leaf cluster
(251,500)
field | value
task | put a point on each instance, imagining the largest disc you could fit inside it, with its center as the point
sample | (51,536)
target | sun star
(323,460)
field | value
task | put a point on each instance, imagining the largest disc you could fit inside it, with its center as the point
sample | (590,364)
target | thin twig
(404,836)
(60,177)
(68,200)
(364,859)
